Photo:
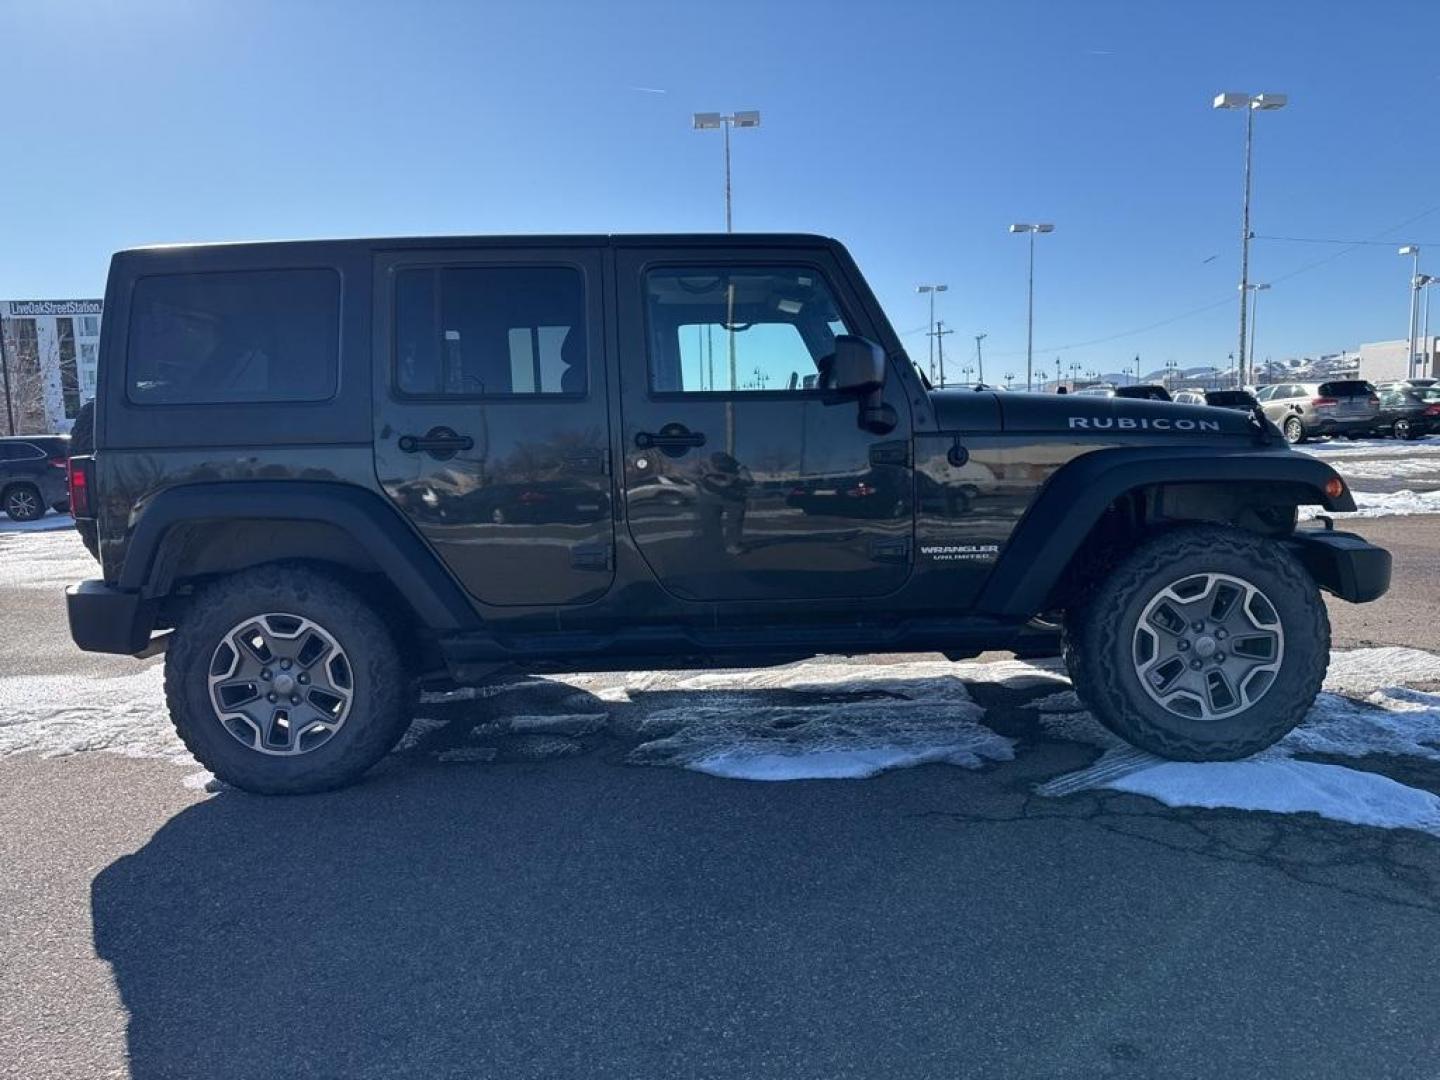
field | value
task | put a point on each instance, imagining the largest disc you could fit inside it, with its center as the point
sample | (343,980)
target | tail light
(1432,410)
(1375,400)
(79,475)
(1324,402)
(59,462)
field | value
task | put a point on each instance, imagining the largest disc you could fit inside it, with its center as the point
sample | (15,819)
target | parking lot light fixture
(1031,229)
(708,121)
(1251,103)
(1412,250)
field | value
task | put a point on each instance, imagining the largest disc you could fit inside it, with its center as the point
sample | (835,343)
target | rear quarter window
(234,337)
(1346,388)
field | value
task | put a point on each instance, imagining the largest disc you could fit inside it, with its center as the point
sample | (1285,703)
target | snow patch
(51,522)
(1369,504)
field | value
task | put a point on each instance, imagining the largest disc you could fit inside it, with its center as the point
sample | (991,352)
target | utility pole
(1057,373)
(939,334)
(932,290)
(980,360)
(5,368)
(1009,378)
(1414,251)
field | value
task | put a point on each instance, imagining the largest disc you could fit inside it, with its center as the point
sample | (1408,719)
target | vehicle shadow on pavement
(580,917)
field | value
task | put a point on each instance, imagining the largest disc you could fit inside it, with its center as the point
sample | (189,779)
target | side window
(739,329)
(18,451)
(245,336)
(469,331)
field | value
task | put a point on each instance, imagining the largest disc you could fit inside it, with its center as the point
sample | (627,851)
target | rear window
(1347,388)
(246,336)
(1228,398)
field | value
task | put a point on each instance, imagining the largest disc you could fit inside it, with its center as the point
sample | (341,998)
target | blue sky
(914,132)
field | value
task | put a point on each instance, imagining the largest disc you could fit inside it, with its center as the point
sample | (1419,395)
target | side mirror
(859,366)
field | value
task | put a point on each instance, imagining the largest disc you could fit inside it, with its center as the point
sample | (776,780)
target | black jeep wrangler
(328,473)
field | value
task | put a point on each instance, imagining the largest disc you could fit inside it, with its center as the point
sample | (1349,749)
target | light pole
(1251,103)
(979,359)
(1022,227)
(1009,378)
(1255,291)
(932,290)
(1413,250)
(706,121)
(1427,353)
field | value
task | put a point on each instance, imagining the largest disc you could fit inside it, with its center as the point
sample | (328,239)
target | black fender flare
(379,528)
(1073,499)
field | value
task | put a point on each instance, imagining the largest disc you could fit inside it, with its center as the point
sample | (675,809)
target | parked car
(302,515)
(1408,411)
(1306,410)
(1135,393)
(32,475)
(1243,400)
(1188,397)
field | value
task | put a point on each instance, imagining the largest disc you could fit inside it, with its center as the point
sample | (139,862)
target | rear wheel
(23,503)
(281,680)
(1205,644)
(1294,430)
(1401,429)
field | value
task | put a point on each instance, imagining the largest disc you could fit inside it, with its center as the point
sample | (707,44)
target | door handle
(439,442)
(670,439)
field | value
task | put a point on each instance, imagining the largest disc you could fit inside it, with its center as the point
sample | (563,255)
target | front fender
(1073,499)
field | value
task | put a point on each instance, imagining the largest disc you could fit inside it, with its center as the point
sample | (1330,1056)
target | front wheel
(281,680)
(1294,430)
(1401,429)
(1205,644)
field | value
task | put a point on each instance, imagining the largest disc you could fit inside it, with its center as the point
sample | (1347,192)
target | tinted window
(1346,388)
(18,451)
(252,336)
(479,331)
(739,328)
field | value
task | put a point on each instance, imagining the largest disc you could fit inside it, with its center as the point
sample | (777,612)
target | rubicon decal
(1141,423)
(960,552)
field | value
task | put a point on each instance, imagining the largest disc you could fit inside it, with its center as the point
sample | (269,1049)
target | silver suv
(1305,410)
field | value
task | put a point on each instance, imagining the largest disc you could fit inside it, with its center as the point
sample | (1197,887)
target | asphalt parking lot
(584,915)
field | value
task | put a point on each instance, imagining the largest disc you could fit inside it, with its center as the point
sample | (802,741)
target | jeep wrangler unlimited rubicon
(327,473)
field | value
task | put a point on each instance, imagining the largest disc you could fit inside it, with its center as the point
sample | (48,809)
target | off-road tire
(1098,639)
(22,502)
(379,712)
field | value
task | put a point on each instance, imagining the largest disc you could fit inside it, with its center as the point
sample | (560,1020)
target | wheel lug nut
(1197,625)
(270,697)
(1221,634)
(304,679)
(285,665)
(294,699)
(1219,658)
(1182,644)
(1195,665)
(265,674)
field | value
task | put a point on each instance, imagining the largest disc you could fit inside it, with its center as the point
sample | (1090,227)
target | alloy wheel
(281,684)
(22,505)
(1208,646)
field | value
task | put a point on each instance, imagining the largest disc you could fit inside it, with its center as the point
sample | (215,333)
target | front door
(491,421)
(745,478)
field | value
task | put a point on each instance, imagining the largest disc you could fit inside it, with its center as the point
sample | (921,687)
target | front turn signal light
(1334,487)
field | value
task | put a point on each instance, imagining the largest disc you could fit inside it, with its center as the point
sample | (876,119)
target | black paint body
(556,530)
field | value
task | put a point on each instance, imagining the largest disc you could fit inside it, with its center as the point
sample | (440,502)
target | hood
(1082,415)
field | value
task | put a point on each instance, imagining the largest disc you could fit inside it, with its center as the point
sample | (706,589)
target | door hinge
(888,550)
(591,557)
(891,452)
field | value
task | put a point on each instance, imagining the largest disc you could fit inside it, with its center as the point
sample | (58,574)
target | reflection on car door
(491,422)
(744,476)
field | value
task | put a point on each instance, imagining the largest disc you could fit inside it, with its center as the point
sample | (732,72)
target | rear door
(746,479)
(491,429)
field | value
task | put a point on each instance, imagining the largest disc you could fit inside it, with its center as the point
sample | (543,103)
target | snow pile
(1389,719)
(55,716)
(1383,504)
(49,523)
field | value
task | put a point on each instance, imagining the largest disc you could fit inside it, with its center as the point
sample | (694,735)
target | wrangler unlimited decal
(1142,423)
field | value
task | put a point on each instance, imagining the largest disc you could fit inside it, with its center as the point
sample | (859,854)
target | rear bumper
(1343,564)
(1346,426)
(109,620)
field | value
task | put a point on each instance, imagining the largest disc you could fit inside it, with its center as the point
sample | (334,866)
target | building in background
(49,354)
(1384,361)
